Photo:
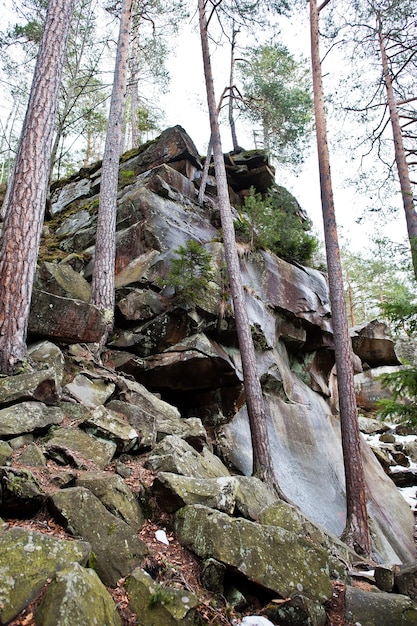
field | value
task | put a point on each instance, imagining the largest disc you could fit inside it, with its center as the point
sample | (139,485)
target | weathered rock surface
(384,609)
(91,393)
(104,423)
(28,417)
(371,342)
(283,561)
(173,454)
(116,547)
(172,373)
(72,445)
(27,560)
(116,496)
(62,280)
(173,492)
(160,606)
(64,319)
(77,596)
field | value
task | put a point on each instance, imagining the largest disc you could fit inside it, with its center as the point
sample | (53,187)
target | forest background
(368,210)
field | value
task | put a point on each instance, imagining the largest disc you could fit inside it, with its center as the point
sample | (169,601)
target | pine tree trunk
(133,86)
(28,188)
(400,157)
(232,125)
(356,532)
(262,462)
(102,286)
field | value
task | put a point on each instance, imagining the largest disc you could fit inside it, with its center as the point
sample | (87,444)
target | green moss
(161,595)
(136,151)
(16,483)
(92,560)
(126,177)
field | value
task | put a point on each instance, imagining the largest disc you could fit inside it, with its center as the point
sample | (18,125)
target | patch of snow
(410,495)
(256,620)
(161,536)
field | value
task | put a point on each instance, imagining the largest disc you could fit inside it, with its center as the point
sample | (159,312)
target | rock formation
(169,389)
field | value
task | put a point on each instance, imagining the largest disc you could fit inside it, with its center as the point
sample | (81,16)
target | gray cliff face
(189,354)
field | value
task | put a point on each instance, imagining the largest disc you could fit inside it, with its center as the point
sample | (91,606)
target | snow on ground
(409,493)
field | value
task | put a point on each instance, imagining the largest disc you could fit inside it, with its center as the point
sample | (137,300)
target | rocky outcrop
(168,396)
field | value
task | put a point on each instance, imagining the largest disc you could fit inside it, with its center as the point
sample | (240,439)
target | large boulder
(28,417)
(372,343)
(278,560)
(43,383)
(116,547)
(106,424)
(73,446)
(385,609)
(160,605)
(175,455)
(65,319)
(306,445)
(62,280)
(116,496)
(27,561)
(77,596)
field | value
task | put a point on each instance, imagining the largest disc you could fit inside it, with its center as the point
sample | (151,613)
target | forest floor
(171,563)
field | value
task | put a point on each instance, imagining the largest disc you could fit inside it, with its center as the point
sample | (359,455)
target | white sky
(185,104)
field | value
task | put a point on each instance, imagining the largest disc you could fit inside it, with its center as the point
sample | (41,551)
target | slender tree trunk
(356,532)
(207,162)
(262,462)
(400,157)
(102,286)
(134,82)
(232,125)
(69,99)
(28,188)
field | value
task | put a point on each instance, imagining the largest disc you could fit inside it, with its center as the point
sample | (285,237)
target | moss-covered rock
(116,496)
(77,596)
(281,561)
(385,609)
(21,494)
(159,605)
(27,560)
(173,492)
(140,420)
(27,417)
(102,422)
(175,455)
(116,547)
(74,446)
(90,392)
(61,280)
(32,456)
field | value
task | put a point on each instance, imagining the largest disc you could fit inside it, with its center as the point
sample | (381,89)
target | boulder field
(166,398)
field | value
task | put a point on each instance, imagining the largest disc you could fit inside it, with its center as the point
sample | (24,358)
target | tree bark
(262,462)
(28,188)
(102,286)
(133,86)
(400,157)
(236,146)
(356,532)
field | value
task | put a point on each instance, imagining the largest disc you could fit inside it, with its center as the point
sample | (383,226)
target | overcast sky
(185,104)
